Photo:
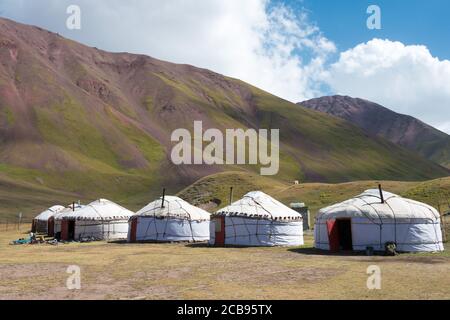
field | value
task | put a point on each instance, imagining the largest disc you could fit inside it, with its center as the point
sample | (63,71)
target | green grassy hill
(80,123)
(215,189)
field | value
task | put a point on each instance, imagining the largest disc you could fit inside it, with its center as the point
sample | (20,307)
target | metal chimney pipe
(231,195)
(381,193)
(163,197)
(73,206)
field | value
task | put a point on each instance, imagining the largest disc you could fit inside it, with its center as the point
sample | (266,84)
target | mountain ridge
(378,120)
(97,124)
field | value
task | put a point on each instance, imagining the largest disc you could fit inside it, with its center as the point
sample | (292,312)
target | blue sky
(296,49)
(408,21)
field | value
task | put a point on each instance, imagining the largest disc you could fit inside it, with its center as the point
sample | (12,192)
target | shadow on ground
(318,252)
(300,250)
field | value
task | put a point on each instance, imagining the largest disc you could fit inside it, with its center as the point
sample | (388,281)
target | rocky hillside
(89,123)
(377,120)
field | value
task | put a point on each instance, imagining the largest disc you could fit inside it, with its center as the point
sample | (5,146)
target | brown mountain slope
(397,128)
(89,122)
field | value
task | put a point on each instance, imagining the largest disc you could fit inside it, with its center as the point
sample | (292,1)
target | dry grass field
(183,271)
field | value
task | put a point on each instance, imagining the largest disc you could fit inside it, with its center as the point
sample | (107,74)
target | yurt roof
(369,205)
(68,210)
(101,209)
(257,204)
(174,207)
(45,215)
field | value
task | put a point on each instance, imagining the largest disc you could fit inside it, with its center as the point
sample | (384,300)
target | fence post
(443,224)
(20,220)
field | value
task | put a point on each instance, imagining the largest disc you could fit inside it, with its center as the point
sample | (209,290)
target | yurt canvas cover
(56,220)
(99,220)
(365,221)
(176,220)
(257,220)
(40,222)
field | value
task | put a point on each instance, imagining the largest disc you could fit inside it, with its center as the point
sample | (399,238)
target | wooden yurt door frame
(133,229)
(51,226)
(334,237)
(65,229)
(219,230)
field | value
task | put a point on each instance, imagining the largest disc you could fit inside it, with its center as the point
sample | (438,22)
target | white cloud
(405,78)
(253,40)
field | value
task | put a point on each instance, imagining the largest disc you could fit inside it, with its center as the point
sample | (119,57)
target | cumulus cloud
(404,78)
(261,42)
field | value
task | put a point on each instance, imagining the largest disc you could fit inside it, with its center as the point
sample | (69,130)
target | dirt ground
(184,271)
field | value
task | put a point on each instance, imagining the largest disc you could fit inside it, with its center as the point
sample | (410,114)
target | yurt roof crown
(101,209)
(173,207)
(375,204)
(258,205)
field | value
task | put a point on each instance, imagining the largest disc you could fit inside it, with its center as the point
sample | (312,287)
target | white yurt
(40,223)
(375,218)
(169,219)
(56,221)
(257,220)
(99,220)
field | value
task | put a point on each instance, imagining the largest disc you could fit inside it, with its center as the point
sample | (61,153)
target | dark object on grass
(88,239)
(53,242)
(21,241)
(369,251)
(390,249)
(30,240)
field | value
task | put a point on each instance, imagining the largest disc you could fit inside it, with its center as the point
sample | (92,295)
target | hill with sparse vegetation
(377,120)
(81,123)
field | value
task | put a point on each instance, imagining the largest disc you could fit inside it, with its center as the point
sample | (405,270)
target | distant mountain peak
(378,120)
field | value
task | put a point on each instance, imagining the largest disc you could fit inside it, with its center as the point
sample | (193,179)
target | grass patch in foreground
(183,271)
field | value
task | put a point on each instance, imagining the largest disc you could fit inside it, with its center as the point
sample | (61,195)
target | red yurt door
(220,230)
(333,235)
(51,227)
(65,230)
(133,229)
